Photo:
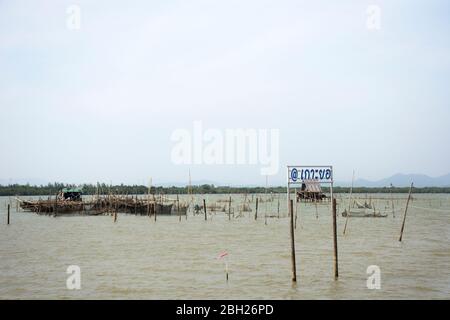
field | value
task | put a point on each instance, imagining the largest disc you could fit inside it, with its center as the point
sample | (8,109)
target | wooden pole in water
(265,217)
(226,269)
(349,202)
(56,206)
(404,216)
(204,209)
(265,199)
(336,270)
(256,209)
(296,207)
(8,214)
(278,211)
(294,268)
(148,196)
(178,208)
(115,216)
(229,209)
(317,211)
(392,199)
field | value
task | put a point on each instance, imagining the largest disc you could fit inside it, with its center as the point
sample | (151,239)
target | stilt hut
(310,191)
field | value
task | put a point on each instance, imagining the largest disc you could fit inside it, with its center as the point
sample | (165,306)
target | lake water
(138,258)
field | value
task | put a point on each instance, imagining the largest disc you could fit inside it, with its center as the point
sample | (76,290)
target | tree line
(90,189)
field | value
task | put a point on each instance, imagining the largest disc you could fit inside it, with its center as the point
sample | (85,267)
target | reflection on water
(138,258)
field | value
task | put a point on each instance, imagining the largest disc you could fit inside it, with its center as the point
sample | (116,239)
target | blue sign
(321,174)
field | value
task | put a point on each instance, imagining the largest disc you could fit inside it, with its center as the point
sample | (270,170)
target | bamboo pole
(404,216)
(8,214)
(317,211)
(148,197)
(256,209)
(392,199)
(178,208)
(115,216)
(265,196)
(226,268)
(229,209)
(296,207)
(294,268)
(265,217)
(56,206)
(349,202)
(278,210)
(204,209)
(336,270)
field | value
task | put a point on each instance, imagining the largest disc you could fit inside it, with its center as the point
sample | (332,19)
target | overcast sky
(100,103)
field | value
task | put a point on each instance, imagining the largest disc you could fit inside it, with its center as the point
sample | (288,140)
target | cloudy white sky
(101,103)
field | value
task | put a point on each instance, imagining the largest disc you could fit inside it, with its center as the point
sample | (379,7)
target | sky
(101,101)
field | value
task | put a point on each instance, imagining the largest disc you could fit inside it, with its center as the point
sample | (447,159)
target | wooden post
(115,216)
(295,214)
(155,205)
(178,208)
(8,214)
(204,209)
(294,268)
(336,270)
(349,202)
(317,211)
(278,211)
(229,209)
(392,199)
(404,216)
(265,199)
(148,197)
(256,209)
(265,216)
(56,206)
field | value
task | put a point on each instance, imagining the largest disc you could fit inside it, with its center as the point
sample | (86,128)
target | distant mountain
(397,180)
(404,180)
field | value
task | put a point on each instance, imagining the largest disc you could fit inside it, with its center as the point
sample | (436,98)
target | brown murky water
(138,258)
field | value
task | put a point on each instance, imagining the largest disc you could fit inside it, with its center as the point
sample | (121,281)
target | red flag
(223,254)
